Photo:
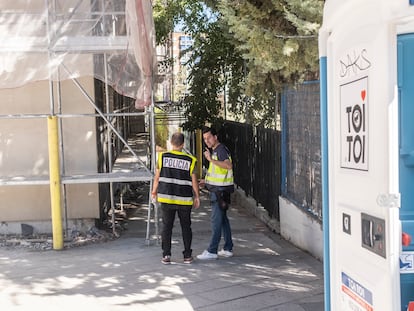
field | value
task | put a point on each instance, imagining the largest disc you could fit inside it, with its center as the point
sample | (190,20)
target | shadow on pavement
(266,273)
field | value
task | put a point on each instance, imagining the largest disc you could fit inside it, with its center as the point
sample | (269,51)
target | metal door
(362,126)
(406,161)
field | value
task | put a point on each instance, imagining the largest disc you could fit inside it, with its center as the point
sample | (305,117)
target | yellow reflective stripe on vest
(219,181)
(218,176)
(193,163)
(173,199)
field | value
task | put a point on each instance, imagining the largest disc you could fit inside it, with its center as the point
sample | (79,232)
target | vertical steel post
(153,166)
(109,145)
(323,68)
(199,153)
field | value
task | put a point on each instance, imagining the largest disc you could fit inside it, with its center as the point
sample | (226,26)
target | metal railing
(256,162)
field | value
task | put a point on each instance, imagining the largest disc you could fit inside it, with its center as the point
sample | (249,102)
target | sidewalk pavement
(266,272)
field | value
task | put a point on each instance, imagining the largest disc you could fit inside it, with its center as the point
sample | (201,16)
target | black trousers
(168,216)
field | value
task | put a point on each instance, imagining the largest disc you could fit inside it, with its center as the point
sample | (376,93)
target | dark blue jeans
(219,224)
(168,216)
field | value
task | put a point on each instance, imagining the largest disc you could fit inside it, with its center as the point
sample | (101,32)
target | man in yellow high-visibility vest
(176,188)
(219,182)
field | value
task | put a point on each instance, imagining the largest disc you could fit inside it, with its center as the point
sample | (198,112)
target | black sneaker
(188,259)
(166,260)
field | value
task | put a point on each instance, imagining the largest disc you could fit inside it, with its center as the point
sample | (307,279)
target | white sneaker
(207,255)
(225,253)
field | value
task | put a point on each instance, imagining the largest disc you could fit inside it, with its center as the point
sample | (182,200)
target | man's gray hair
(177,139)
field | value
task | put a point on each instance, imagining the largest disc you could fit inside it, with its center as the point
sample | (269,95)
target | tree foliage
(279,38)
(245,49)
(216,68)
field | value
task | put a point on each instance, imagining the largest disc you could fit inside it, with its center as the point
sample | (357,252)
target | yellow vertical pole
(199,153)
(54,173)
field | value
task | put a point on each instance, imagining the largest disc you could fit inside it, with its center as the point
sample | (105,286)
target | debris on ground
(44,242)
(116,222)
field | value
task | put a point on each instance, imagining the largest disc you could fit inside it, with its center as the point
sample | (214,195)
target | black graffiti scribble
(354,63)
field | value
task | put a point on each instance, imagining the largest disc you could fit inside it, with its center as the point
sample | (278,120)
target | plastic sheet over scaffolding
(71,38)
(57,40)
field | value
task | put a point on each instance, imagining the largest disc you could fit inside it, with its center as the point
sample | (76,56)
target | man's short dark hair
(177,139)
(212,130)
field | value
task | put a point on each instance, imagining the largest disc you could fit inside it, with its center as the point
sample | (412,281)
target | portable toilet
(367,114)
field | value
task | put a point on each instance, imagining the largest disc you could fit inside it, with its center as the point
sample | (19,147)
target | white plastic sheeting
(113,41)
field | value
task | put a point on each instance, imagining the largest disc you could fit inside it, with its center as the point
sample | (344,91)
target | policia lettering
(176,163)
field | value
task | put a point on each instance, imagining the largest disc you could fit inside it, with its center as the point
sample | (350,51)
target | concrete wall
(300,228)
(239,198)
(24,152)
(295,225)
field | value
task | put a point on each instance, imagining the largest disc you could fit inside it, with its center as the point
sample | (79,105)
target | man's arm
(226,164)
(223,164)
(196,190)
(155,185)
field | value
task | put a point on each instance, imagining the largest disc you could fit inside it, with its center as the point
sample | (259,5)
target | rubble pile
(130,194)
(44,242)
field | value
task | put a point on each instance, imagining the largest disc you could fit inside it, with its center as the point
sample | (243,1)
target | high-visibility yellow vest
(175,183)
(219,177)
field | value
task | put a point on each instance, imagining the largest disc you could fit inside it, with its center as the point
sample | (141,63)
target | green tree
(216,67)
(279,38)
(168,13)
(279,43)
(248,48)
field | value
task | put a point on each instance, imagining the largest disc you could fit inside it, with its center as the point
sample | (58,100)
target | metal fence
(256,162)
(269,163)
(301,148)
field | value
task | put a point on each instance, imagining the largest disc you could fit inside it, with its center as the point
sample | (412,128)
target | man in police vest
(176,188)
(219,182)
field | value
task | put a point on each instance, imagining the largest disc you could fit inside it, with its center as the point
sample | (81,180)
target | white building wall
(24,152)
(295,225)
(300,228)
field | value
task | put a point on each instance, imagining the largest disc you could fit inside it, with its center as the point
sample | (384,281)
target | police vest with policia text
(175,183)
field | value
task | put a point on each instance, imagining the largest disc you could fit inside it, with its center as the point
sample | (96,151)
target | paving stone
(125,273)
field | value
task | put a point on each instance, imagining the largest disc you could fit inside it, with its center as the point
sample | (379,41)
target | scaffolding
(68,40)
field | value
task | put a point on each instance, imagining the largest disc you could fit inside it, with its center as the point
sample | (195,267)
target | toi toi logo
(354,127)
(356,131)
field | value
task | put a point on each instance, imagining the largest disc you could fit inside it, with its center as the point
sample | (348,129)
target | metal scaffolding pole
(57,22)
